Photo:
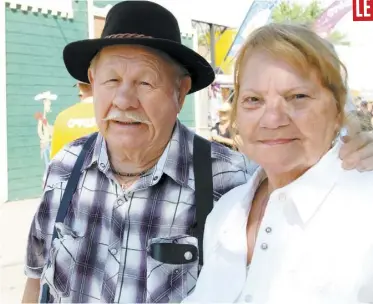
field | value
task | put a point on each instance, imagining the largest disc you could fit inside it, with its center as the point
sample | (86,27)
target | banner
(331,16)
(258,15)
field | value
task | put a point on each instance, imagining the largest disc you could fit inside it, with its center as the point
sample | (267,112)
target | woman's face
(287,122)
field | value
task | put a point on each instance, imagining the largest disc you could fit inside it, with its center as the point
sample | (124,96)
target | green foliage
(292,12)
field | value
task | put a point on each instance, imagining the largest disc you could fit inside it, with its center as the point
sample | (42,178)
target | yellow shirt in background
(73,123)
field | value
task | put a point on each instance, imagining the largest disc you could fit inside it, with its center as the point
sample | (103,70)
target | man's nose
(126,96)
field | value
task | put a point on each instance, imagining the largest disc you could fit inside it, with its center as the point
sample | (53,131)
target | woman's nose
(275,114)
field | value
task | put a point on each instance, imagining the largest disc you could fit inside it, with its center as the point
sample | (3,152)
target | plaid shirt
(102,253)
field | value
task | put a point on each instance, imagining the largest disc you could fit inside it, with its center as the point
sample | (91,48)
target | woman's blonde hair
(302,49)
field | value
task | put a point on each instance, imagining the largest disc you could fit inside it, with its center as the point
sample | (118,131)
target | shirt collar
(310,190)
(176,160)
(99,155)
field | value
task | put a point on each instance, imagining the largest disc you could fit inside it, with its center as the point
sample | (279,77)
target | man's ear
(185,85)
(90,77)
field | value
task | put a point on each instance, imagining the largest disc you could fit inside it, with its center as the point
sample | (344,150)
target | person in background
(75,121)
(85,92)
(365,116)
(220,133)
(215,102)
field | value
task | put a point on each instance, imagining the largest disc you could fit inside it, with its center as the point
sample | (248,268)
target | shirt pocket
(75,267)
(172,268)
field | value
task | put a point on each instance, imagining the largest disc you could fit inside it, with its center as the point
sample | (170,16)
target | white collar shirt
(314,245)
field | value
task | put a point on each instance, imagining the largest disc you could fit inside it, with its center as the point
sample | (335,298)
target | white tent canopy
(229,14)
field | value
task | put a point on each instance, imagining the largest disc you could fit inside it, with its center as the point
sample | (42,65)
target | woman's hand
(357,152)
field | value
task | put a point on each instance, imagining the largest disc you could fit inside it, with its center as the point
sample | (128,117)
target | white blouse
(315,242)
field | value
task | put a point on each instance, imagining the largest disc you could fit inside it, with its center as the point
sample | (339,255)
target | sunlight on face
(286,121)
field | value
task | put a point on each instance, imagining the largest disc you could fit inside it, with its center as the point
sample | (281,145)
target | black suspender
(202,167)
(72,183)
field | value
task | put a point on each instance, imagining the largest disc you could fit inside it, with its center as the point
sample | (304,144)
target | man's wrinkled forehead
(110,56)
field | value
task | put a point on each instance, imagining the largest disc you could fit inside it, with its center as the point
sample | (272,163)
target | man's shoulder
(222,153)
(73,148)
(230,169)
(232,159)
(62,164)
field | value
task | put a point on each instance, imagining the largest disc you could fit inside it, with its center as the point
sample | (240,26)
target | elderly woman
(300,231)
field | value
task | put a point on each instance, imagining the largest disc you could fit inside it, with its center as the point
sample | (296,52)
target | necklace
(128,174)
(127,184)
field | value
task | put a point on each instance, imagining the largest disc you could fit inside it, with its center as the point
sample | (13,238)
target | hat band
(127,35)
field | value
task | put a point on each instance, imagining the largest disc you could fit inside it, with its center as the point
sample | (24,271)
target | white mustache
(126,117)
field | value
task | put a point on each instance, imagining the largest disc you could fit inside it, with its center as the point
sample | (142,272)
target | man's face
(137,97)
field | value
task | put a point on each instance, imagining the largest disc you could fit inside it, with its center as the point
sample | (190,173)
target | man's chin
(127,143)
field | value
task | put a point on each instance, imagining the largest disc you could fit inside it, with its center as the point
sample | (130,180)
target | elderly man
(130,221)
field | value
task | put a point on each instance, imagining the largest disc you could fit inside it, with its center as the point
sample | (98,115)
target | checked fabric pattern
(101,254)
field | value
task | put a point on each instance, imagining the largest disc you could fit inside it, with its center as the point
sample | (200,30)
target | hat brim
(78,56)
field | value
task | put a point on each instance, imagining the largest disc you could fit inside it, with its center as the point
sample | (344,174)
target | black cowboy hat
(139,23)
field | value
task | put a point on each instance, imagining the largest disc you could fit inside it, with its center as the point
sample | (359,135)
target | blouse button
(264,246)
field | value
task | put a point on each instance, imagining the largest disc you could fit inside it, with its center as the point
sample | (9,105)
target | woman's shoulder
(360,183)
(228,200)
(354,189)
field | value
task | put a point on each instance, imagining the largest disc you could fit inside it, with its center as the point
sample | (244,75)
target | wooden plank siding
(34,44)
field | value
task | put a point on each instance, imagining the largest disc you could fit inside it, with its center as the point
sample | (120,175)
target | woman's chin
(280,165)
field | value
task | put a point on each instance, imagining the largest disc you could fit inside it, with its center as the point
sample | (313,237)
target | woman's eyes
(299,96)
(251,99)
(256,100)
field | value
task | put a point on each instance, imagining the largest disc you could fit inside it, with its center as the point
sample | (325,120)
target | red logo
(362,10)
